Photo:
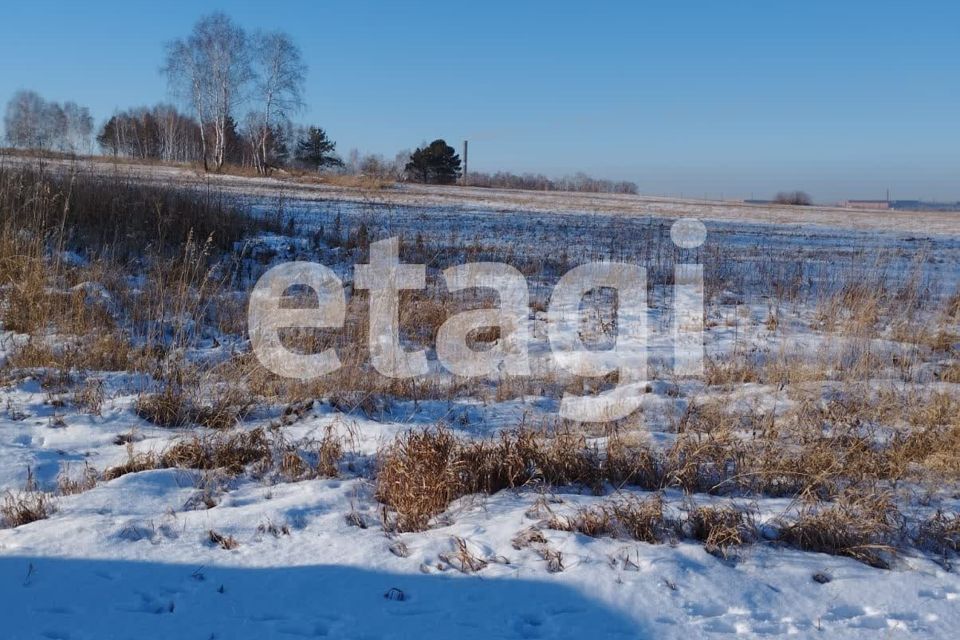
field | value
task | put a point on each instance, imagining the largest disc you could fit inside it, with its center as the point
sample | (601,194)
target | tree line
(164,133)
(240,91)
(220,69)
(579,182)
(32,122)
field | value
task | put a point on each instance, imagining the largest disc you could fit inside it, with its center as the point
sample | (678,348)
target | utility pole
(464,163)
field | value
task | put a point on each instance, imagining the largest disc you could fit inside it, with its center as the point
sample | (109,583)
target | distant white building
(866,204)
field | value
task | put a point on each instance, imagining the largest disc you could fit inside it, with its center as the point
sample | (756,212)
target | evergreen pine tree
(317,150)
(437,163)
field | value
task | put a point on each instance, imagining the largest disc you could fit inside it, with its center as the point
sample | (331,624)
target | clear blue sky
(843,99)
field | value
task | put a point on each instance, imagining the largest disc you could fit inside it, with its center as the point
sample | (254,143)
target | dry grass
(817,451)
(69,245)
(816,448)
(527,538)
(625,517)
(933,441)
(950,373)
(462,558)
(193,396)
(519,457)
(90,397)
(350,181)
(533,538)
(112,224)
(720,528)
(69,484)
(422,472)
(942,341)
(642,519)
(731,370)
(324,455)
(236,452)
(232,452)
(418,477)
(168,408)
(223,541)
(952,308)
(634,463)
(275,530)
(96,351)
(225,410)
(102,211)
(553,558)
(834,456)
(135,463)
(23,507)
(940,534)
(863,527)
(311,458)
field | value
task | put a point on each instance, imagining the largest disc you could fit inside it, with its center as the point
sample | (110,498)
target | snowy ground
(127,559)
(131,558)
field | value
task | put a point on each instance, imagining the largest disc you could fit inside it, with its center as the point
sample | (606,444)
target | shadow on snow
(102,599)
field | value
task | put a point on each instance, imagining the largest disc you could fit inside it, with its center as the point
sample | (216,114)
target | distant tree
(280,74)
(374,165)
(352,163)
(316,150)
(399,165)
(436,163)
(157,133)
(23,119)
(800,198)
(109,137)
(233,143)
(264,148)
(278,151)
(31,121)
(211,68)
(178,135)
(78,128)
(55,126)
(538,182)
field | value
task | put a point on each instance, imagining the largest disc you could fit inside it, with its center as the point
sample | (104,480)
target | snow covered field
(126,559)
(181,551)
(911,223)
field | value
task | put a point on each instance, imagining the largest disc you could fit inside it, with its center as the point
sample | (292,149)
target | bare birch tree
(185,73)
(211,68)
(79,128)
(31,121)
(280,74)
(24,118)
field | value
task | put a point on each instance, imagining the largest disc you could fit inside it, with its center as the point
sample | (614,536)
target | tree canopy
(436,163)
(315,149)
